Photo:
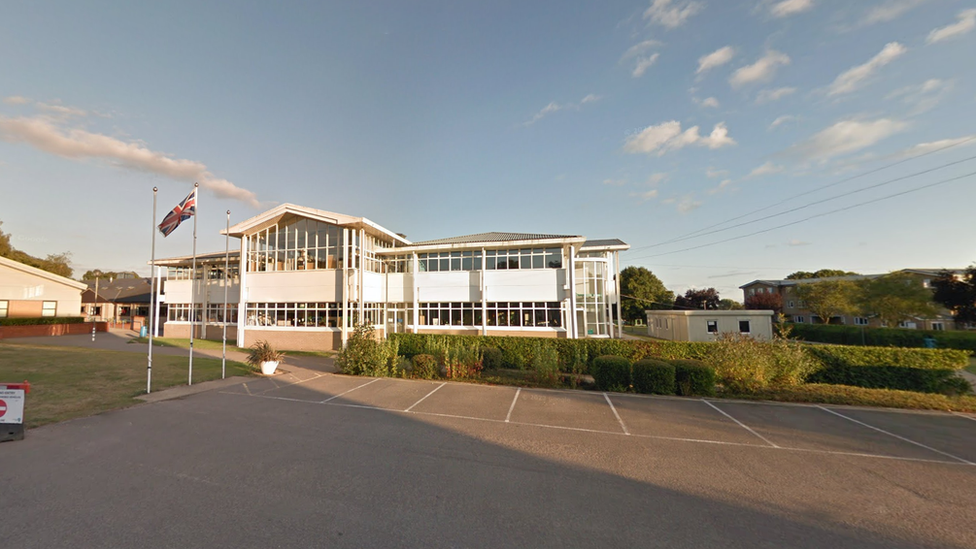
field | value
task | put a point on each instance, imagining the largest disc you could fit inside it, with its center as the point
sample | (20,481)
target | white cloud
(79,144)
(717,58)
(923,97)
(966,23)
(708,102)
(766,169)
(928,147)
(60,109)
(687,203)
(671,16)
(638,49)
(780,120)
(796,242)
(760,71)
(722,185)
(16,100)
(556,107)
(853,78)
(668,136)
(646,195)
(656,178)
(712,172)
(615,182)
(767,96)
(643,64)
(790,7)
(889,11)
(845,137)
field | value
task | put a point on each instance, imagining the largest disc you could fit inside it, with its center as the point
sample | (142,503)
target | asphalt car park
(312,459)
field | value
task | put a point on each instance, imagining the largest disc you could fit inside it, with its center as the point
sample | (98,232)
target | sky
(724,141)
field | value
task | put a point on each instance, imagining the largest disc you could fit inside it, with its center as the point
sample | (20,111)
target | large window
(215,313)
(525,258)
(294,314)
(180,312)
(450,261)
(300,245)
(183,273)
(49,308)
(398,264)
(4,309)
(450,314)
(525,314)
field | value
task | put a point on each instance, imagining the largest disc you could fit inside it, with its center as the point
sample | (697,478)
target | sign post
(12,410)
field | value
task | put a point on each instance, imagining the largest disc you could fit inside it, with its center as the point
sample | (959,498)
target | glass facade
(301,245)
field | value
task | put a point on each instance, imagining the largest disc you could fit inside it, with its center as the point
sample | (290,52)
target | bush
(889,377)
(654,377)
(424,367)
(934,359)
(545,365)
(491,358)
(744,364)
(42,321)
(859,396)
(365,356)
(693,378)
(884,337)
(611,373)
(461,362)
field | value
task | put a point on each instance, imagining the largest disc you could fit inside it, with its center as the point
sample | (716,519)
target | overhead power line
(822,214)
(692,234)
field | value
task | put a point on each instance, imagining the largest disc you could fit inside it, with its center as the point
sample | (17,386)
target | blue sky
(646,121)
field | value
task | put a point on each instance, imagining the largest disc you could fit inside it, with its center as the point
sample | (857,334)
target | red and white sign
(11,405)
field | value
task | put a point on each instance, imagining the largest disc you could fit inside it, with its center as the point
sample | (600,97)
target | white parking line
(290,384)
(616,415)
(964,415)
(425,396)
(743,425)
(899,437)
(512,407)
(349,391)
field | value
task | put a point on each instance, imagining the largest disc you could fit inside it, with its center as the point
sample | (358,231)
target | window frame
(45,312)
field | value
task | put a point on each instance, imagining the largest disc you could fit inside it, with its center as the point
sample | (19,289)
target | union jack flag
(180,213)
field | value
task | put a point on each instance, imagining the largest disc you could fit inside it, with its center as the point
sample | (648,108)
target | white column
(484,296)
(159,292)
(616,279)
(416,293)
(242,300)
(571,276)
(345,287)
(361,276)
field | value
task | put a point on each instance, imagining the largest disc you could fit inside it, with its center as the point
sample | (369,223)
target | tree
(766,302)
(641,290)
(98,273)
(822,273)
(729,305)
(959,296)
(895,297)
(829,298)
(54,263)
(698,299)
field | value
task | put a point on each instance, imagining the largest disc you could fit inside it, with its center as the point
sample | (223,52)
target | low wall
(40,330)
(296,339)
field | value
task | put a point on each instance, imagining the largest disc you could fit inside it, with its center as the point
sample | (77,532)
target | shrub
(611,373)
(545,365)
(653,376)
(859,396)
(461,362)
(262,351)
(491,358)
(885,337)
(744,364)
(889,377)
(424,367)
(790,363)
(693,378)
(365,356)
(42,321)
(935,359)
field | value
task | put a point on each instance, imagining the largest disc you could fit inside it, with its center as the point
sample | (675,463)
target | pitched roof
(274,215)
(7,262)
(493,237)
(121,290)
(611,243)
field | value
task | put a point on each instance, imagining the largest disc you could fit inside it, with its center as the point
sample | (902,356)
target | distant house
(29,292)
(796,310)
(121,302)
(708,325)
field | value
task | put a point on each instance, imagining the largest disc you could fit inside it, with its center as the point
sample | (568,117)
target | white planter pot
(268,368)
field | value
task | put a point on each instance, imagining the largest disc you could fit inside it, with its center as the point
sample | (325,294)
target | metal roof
(605,243)
(121,290)
(493,237)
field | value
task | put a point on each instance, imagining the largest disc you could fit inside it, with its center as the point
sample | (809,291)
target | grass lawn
(639,331)
(207,344)
(972,365)
(72,382)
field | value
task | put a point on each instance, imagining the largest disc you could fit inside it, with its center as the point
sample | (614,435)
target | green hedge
(927,359)
(885,337)
(692,378)
(43,321)
(859,396)
(888,377)
(611,373)
(652,376)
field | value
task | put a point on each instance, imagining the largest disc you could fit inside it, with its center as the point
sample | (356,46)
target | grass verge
(209,344)
(972,365)
(816,393)
(70,382)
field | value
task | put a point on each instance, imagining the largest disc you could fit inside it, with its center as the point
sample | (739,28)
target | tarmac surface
(309,459)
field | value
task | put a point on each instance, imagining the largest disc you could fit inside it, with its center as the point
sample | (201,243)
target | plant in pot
(264,355)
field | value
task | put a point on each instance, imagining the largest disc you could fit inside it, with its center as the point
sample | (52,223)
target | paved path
(119,340)
(319,460)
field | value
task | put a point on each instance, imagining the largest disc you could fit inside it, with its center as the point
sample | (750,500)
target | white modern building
(308,277)
(29,292)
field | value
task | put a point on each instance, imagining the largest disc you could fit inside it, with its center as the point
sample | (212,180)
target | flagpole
(223,358)
(193,278)
(152,297)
